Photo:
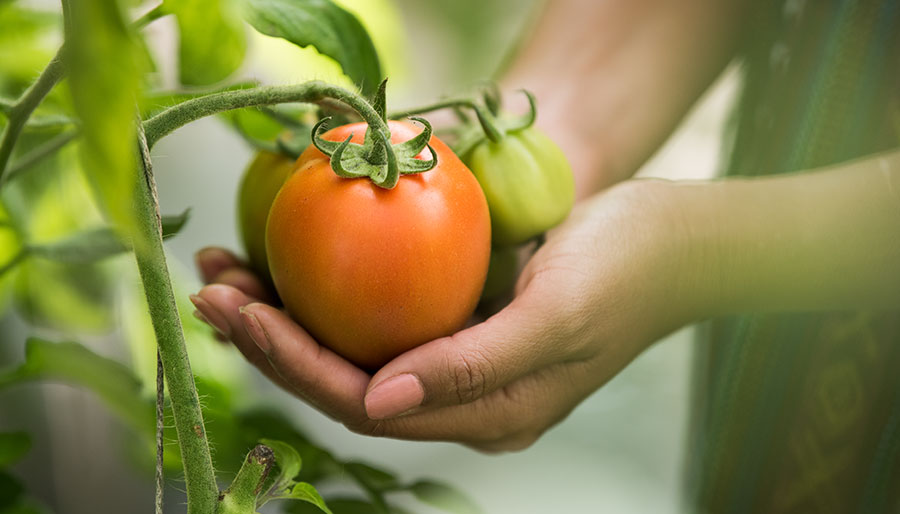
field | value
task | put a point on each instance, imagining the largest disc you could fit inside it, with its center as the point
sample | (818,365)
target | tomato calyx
(377,158)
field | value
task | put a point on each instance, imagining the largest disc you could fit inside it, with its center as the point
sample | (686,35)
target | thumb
(525,336)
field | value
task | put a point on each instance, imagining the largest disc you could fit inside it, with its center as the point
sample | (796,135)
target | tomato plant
(372,272)
(77,190)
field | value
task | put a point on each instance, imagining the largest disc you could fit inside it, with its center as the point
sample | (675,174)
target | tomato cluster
(372,272)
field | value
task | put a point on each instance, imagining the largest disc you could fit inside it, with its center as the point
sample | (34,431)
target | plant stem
(41,152)
(485,118)
(200,481)
(19,112)
(179,115)
(240,497)
(160,413)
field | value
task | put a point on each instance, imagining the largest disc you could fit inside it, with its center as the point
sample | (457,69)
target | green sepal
(379,100)
(376,158)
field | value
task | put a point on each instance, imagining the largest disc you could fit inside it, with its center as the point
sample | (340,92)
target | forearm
(613,78)
(824,239)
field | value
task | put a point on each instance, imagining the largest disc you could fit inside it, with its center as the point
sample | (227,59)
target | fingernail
(394,396)
(255,330)
(209,315)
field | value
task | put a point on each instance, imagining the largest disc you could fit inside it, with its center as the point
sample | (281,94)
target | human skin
(633,262)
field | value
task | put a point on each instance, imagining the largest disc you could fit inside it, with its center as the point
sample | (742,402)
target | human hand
(606,284)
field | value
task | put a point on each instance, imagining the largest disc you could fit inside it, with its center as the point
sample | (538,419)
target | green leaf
(10,492)
(337,506)
(330,29)
(371,477)
(65,296)
(81,247)
(212,42)
(288,461)
(443,497)
(307,493)
(173,223)
(105,71)
(73,364)
(96,244)
(13,445)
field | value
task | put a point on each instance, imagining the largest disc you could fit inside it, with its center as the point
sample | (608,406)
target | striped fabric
(801,412)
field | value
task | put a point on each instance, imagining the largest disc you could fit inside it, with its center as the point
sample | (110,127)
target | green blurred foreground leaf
(105,69)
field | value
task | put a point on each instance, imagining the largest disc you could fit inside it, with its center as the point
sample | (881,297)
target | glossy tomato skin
(528,183)
(371,272)
(261,182)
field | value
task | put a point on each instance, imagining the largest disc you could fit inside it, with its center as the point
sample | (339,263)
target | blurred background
(622,450)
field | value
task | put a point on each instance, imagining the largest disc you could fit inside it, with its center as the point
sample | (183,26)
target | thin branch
(47,149)
(20,112)
(160,400)
(179,115)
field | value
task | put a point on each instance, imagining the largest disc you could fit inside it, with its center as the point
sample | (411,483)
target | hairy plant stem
(240,497)
(310,92)
(200,481)
(19,112)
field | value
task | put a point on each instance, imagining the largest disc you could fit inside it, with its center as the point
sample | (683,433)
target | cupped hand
(605,285)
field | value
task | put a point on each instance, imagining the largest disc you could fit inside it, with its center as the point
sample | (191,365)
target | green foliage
(71,209)
(72,363)
(212,42)
(443,497)
(105,72)
(332,30)
(13,445)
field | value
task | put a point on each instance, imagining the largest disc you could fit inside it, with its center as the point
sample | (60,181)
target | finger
(530,333)
(247,282)
(508,419)
(212,261)
(220,305)
(320,376)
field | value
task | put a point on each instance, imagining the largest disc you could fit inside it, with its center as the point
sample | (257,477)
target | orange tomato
(372,272)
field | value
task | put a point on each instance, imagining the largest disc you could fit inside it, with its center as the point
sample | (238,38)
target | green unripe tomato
(264,177)
(527,181)
(502,272)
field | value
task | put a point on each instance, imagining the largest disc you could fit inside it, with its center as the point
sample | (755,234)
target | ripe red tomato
(372,272)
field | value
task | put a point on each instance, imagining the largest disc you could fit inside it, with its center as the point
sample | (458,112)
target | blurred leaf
(330,29)
(342,506)
(80,247)
(10,492)
(443,497)
(307,493)
(73,364)
(13,445)
(105,71)
(371,477)
(24,46)
(97,244)
(212,42)
(254,124)
(64,296)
